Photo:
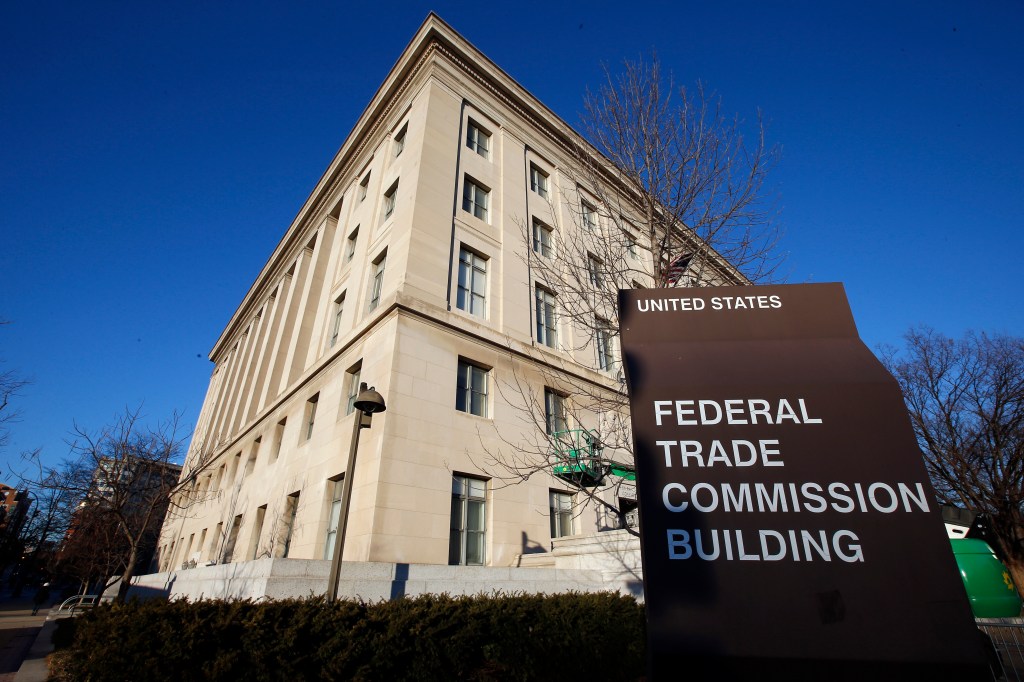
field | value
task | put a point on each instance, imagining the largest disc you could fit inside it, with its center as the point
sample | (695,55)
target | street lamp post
(366,404)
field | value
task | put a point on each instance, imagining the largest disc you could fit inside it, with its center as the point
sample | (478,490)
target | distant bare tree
(966,402)
(11,384)
(668,192)
(123,479)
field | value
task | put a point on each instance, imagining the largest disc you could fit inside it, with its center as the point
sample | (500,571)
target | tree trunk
(126,577)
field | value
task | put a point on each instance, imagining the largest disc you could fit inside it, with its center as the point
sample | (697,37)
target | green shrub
(498,637)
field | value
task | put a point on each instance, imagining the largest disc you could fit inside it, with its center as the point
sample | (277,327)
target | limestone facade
(432,188)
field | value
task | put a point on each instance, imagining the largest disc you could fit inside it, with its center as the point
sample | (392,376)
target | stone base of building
(592,563)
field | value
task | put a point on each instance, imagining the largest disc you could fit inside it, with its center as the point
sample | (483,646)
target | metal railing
(1005,643)
(78,602)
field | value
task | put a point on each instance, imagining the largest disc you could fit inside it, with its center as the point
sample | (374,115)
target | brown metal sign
(788,526)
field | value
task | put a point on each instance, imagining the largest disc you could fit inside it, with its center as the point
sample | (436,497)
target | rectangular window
(469,507)
(278,440)
(310,416)
(631,248)
(389,200)
(339,310)
(602,339)
(400,140)
(250,463)
(291,510)
(472,291)
(377,281)
(594,270)
(215,541)
(554,411)
(471,389)
(199,545)
(542,239)
(474,199)
(352,379)
(335,486)
(561,514)
(547,332)
(350,245)
(539,181)
(364,187)
(257,530)
(229,547)
(589,215)
(478,139)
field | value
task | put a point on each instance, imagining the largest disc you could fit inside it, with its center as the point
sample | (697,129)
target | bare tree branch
(665,192)
(966,403)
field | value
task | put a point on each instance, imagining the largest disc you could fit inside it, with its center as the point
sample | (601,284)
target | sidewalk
(19,630)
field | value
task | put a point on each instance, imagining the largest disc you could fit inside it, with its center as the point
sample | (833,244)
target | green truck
(988,582)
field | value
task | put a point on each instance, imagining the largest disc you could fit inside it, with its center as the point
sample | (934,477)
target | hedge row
(499,637)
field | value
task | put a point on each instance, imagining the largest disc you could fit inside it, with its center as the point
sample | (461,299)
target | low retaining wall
(283,578)
(587,563)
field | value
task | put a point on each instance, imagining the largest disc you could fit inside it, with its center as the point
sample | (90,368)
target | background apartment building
(409,267)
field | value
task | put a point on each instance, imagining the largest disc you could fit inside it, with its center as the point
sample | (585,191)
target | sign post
(788,527)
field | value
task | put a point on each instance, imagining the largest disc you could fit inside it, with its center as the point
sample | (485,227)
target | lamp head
(369,401)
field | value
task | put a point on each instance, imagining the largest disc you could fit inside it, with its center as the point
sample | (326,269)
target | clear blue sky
(152,155)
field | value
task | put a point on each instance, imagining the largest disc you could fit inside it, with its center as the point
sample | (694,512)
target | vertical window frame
(476,199)
(546,312)
(472,277)
(467,545)
(543,239)
(377,281)
(478,139)
(472,388)
(539,181)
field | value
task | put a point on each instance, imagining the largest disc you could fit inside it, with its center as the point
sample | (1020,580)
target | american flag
(676,269)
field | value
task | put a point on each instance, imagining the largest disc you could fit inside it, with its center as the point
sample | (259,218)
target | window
(291,510)
(376,281)
(474,199)
(542,241)
(236,461)
(352,378)
(364,186)
(561,514)
(602,339)
(335,486)
(339,310)
(400,140)
(310,416)
(250,463)
(589,215)
(466,541)
(389,200)
(215,540)
(229,547)
(554,411)
(539,181)
(545,304)
(278,440)
(631,247)
(257,530)
(478,139)
(202,541)
(350,245)
(471,389)
(594,268)
(472,293)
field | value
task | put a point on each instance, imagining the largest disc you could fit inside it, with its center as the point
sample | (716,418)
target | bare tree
(10,384)
(666,191)
(122,478)
(966,402)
